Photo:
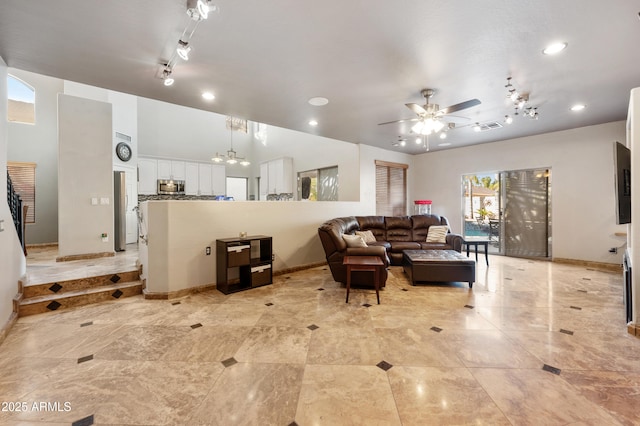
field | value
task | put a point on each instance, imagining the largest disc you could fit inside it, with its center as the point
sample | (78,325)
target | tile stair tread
(92,290)
(71,278)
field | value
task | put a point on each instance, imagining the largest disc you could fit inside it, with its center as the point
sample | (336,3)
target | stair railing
(15,205)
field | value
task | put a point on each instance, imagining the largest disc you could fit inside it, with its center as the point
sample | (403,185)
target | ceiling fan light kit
(431,119)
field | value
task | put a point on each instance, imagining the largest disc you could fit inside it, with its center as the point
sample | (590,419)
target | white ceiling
(265,59)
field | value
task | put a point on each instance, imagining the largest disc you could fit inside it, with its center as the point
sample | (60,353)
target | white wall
(179,231)
(39,144)
(12,260)
(582,184)
(85,171)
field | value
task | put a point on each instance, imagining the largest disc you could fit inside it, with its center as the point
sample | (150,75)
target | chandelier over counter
(233,124)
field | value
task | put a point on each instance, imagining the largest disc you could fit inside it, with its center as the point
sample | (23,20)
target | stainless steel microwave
(170,187)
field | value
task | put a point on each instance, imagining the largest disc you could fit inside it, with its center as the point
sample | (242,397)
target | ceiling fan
(429,116)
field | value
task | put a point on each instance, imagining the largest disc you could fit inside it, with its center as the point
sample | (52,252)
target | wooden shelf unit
(243,263)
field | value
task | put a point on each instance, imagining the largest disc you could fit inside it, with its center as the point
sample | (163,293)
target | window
(319,184)
(21,101)
(391,189)
(23,177)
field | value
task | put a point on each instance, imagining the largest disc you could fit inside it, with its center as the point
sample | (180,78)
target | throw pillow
(367,236)
(437,234)
(354,240)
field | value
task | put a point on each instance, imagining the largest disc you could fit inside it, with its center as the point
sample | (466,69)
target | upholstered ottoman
(438,266)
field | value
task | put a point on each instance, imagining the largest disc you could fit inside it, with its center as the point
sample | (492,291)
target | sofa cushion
(367,236)
(421,224)
(398,228)
(399,246)
(375,224)
(437,234)
(435,246)
(353,241)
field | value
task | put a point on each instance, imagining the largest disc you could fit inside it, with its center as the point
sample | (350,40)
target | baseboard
(193,290)
(299,268)
(602,266)
(85,256)
(176,294)
(4,331)
(633,329)
(42,245)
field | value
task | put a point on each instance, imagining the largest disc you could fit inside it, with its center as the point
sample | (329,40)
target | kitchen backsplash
(142,198)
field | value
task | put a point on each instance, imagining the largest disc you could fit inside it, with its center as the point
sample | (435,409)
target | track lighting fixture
(183,50)
(200,9)
(531,112)
(197,10)
(166,76)
(520,102)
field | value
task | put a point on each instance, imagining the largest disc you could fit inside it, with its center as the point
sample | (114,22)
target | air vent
(491,125)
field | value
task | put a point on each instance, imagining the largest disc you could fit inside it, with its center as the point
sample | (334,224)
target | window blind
(23,177)
(391,188)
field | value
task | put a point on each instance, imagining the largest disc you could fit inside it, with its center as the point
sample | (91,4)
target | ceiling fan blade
(458,107)
(418,109)
(399,121)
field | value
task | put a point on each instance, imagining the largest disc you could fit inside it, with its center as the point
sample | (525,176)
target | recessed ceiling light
(578,107)
(554,48)
(318,101)
(208,96)
(313,123)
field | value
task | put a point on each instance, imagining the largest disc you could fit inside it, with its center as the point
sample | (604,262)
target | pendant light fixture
(232,156)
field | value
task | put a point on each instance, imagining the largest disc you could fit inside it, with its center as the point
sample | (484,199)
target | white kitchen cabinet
(264,181)
(171,169)
(204,177)
(276,177)
(191,179)
(147,176)
(218,180)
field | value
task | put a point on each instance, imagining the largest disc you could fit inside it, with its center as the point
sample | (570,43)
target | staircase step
(59,287)
(69,299)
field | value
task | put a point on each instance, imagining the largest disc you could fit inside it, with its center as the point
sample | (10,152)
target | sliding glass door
(511,210)
(525,219)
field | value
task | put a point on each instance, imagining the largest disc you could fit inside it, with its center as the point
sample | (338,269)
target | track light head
(183,50)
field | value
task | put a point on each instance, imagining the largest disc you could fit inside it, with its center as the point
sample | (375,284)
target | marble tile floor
(533,343)
(43,268)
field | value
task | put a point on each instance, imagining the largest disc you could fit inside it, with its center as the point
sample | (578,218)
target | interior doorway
(237,188)
(511,209)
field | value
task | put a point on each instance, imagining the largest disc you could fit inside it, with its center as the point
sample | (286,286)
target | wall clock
(123,151)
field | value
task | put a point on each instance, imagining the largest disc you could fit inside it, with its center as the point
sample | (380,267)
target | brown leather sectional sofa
(394,234)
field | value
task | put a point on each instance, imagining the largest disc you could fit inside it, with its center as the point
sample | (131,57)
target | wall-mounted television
(622,159)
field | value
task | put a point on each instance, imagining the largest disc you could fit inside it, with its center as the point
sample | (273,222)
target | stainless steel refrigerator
(120,211)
